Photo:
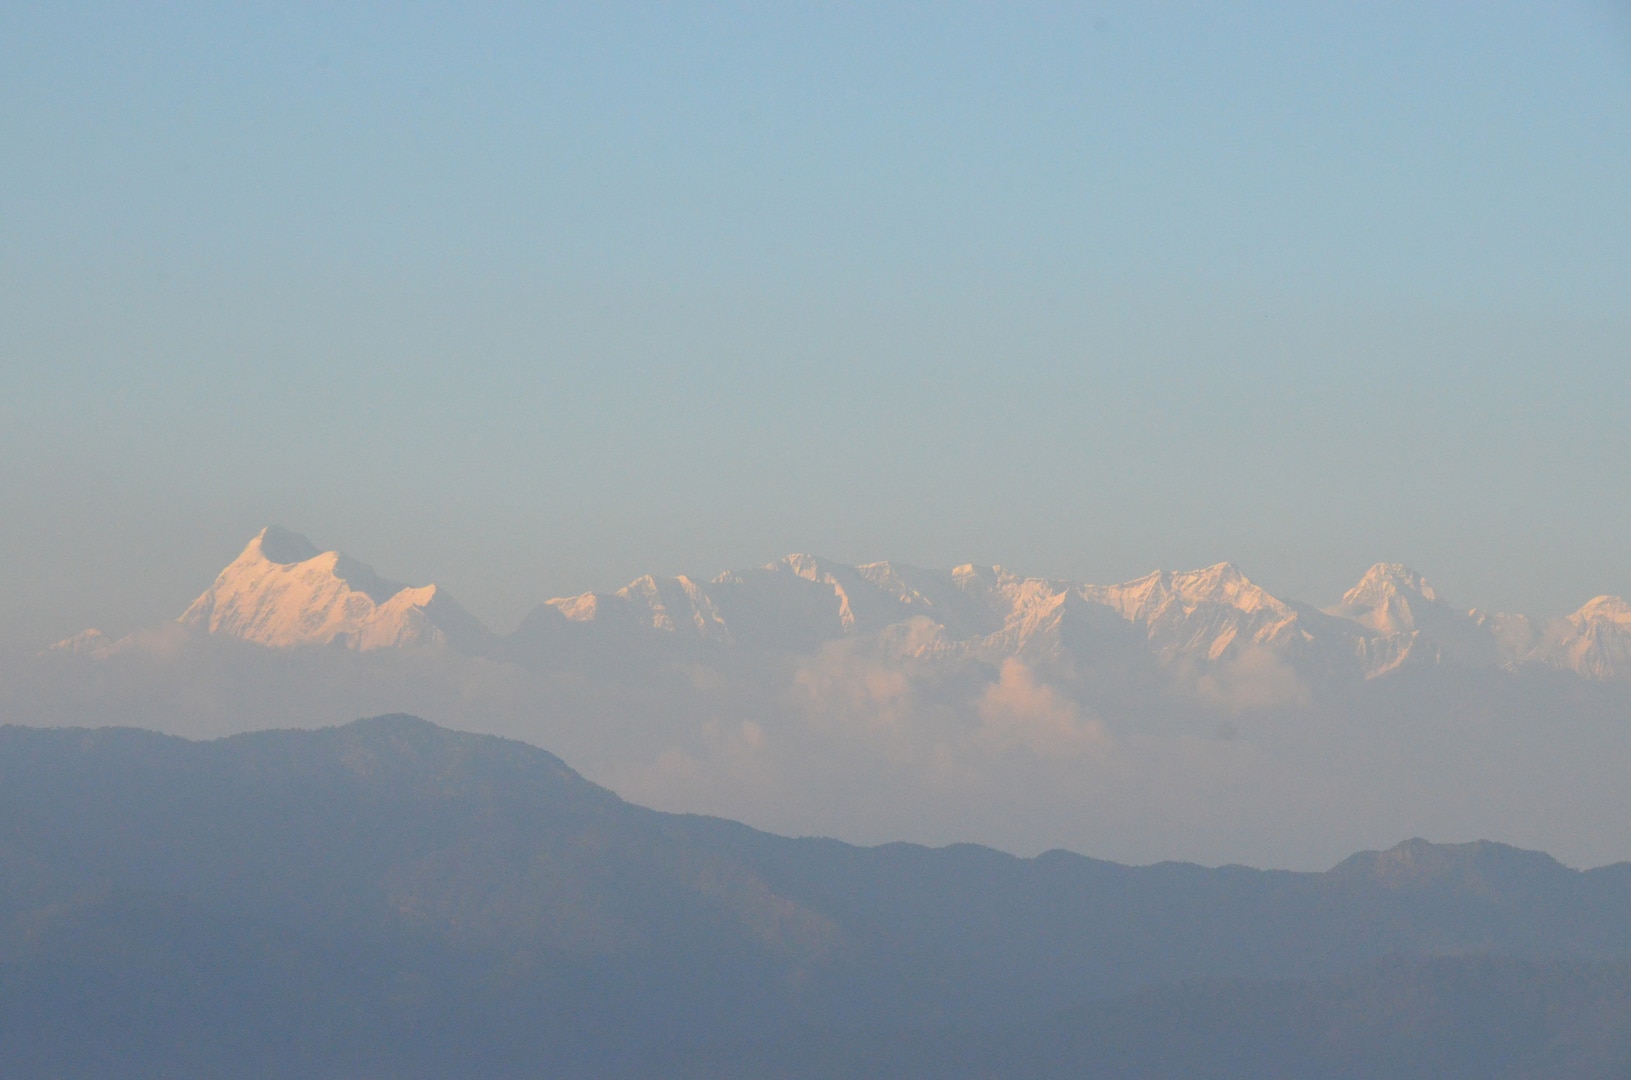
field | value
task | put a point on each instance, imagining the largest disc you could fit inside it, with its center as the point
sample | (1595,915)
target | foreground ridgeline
(281,592)
(391,898)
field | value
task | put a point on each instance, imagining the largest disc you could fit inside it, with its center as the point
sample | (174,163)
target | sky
(528,300)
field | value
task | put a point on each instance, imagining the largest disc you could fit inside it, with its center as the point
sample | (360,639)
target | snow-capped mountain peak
(1211,612)
(1595,640)
(282,591)
(1389,599)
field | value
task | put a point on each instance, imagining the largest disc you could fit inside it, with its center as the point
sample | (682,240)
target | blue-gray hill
(393,898)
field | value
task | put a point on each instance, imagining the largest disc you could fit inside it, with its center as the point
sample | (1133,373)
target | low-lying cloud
(1238,762)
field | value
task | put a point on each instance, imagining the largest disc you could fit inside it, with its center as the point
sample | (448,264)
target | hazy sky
(531,301)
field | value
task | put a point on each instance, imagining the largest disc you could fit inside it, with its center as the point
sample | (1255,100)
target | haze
(827,540)
(532,302)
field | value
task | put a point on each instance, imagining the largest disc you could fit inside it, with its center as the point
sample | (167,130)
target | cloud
(1019,711)
(1255,678)
(852,742)
(850,691)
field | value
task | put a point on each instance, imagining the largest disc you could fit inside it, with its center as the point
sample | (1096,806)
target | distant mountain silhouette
(393,898)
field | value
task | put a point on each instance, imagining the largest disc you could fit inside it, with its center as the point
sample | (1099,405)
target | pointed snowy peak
(1210,613)
(282,591)
(1409,623)
(1222,583)
(278,546)
(585,607)
(1390,599)
(1390,579)
(1163,591)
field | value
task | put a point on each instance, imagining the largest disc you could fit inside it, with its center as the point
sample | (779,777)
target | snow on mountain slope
(1388,598)
(1595,641)
(796,602)
(1393,617)
(868,598)
(1204,612)
(802,600)
(1041,617)
(281,591)
(86,641)
(1408,623)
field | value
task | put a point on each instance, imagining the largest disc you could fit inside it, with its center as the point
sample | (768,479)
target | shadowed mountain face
(392,898)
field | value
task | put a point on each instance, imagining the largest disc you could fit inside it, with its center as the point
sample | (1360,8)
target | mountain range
(281,592)
(1191,715)
(390,898)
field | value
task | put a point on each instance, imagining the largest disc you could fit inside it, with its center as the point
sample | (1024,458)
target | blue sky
(530,300)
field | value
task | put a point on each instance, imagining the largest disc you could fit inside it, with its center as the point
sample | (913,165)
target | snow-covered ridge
(1391,619)
(281,591)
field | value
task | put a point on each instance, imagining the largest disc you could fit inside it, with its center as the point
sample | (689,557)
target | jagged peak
(282,591)
(812,567)
(283,547)
(1219,583)
(1220,571)
(644,585)
(968,574)
(1224,578)
(1390,599)
(581,608)
(1389,578)
(650,586)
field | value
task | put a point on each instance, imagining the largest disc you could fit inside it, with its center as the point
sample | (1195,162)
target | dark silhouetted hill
(390,898)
